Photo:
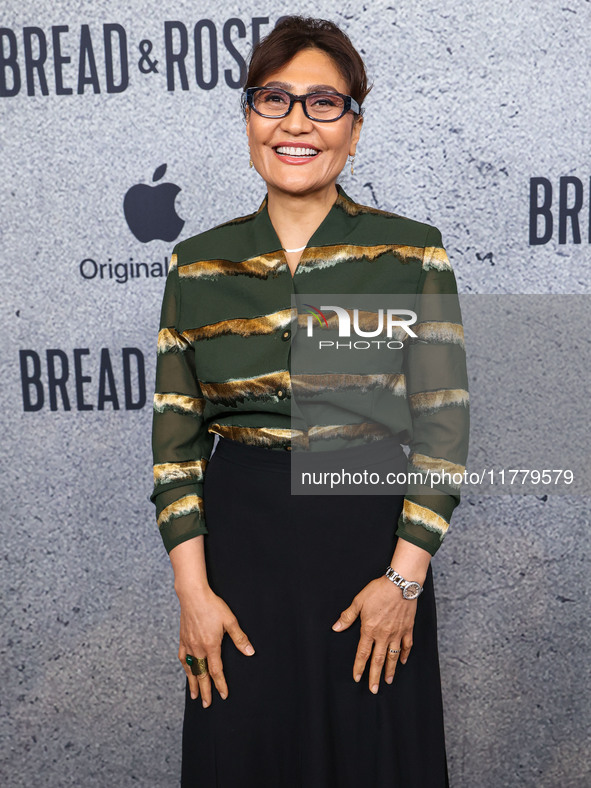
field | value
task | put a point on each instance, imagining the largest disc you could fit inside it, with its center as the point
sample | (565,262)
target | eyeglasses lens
(320,106)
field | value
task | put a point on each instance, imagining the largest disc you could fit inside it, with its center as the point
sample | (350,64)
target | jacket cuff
(180,514)
(180,529)
(424,520)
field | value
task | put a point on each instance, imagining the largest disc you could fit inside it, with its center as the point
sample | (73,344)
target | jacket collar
(333,229)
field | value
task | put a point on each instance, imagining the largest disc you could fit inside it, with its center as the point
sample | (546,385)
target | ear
(355,132)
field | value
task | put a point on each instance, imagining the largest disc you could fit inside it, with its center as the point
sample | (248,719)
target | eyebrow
(289,86)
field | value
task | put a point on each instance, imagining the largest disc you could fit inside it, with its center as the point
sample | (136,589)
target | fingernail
(357,677)
(403,661)
(193,695)
(205,704)
(338,625)
(390,679)
(374,689)
(249,649)
(224,695)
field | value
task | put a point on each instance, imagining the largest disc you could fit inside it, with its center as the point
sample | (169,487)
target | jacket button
(288,448)
(286,334)
(280,393)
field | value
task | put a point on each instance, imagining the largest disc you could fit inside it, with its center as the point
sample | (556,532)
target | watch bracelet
(396,578)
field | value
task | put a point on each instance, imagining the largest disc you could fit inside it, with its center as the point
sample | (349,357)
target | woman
(307,689)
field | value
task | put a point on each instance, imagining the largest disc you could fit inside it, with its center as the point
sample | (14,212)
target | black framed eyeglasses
(321,106)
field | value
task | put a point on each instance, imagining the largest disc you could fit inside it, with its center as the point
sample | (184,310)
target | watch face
(412,590)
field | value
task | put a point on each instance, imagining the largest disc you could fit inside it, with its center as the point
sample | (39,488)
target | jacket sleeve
(437,391)
(181,445)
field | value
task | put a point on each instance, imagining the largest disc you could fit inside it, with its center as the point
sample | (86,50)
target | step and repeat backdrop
(121,133)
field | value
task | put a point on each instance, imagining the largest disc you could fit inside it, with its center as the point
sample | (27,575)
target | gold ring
(198,669)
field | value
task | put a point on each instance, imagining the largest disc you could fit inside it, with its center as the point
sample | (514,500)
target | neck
(295,217)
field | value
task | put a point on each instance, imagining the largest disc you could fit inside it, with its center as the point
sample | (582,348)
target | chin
(295,185)
(303,189)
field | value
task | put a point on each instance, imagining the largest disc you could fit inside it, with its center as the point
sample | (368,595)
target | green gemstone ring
(198,665)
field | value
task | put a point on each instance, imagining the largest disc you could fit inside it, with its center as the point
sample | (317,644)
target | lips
(295,152)
(296,149)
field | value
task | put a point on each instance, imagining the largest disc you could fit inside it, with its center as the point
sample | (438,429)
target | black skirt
(287,565)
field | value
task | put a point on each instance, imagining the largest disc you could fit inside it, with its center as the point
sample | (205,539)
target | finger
(347,617)
(204,680)
(392,656)
(363,653)
(193,682)
(191,691)
(216,672)
(377,663)
(193,685)
(406,647)
(239,637)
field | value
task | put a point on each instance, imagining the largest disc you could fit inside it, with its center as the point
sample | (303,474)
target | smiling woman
(291,615)
(298,157)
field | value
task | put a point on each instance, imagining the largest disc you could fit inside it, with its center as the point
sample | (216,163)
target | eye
(320,100)
(272,97)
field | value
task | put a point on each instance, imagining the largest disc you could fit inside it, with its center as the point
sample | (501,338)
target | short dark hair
(291,34)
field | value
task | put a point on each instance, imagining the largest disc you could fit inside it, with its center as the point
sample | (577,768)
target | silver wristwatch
(410,588)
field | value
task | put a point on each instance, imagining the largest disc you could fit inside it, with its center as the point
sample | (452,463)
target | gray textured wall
(470,101)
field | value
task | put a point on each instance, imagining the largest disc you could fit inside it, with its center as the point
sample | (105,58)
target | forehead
(310,69)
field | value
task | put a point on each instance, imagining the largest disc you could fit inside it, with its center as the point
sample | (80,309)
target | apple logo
(150,212)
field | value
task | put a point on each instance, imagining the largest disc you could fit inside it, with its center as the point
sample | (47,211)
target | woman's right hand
(205,617)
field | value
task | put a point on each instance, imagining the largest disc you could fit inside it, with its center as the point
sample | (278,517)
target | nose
(296,122)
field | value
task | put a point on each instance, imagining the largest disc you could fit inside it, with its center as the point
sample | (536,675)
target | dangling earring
(352,163)
(250,164)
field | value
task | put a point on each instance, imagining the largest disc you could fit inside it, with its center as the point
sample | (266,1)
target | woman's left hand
(387,621)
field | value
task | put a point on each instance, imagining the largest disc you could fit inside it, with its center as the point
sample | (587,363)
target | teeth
(285,151)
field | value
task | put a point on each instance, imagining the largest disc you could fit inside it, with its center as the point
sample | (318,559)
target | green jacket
(224,362)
